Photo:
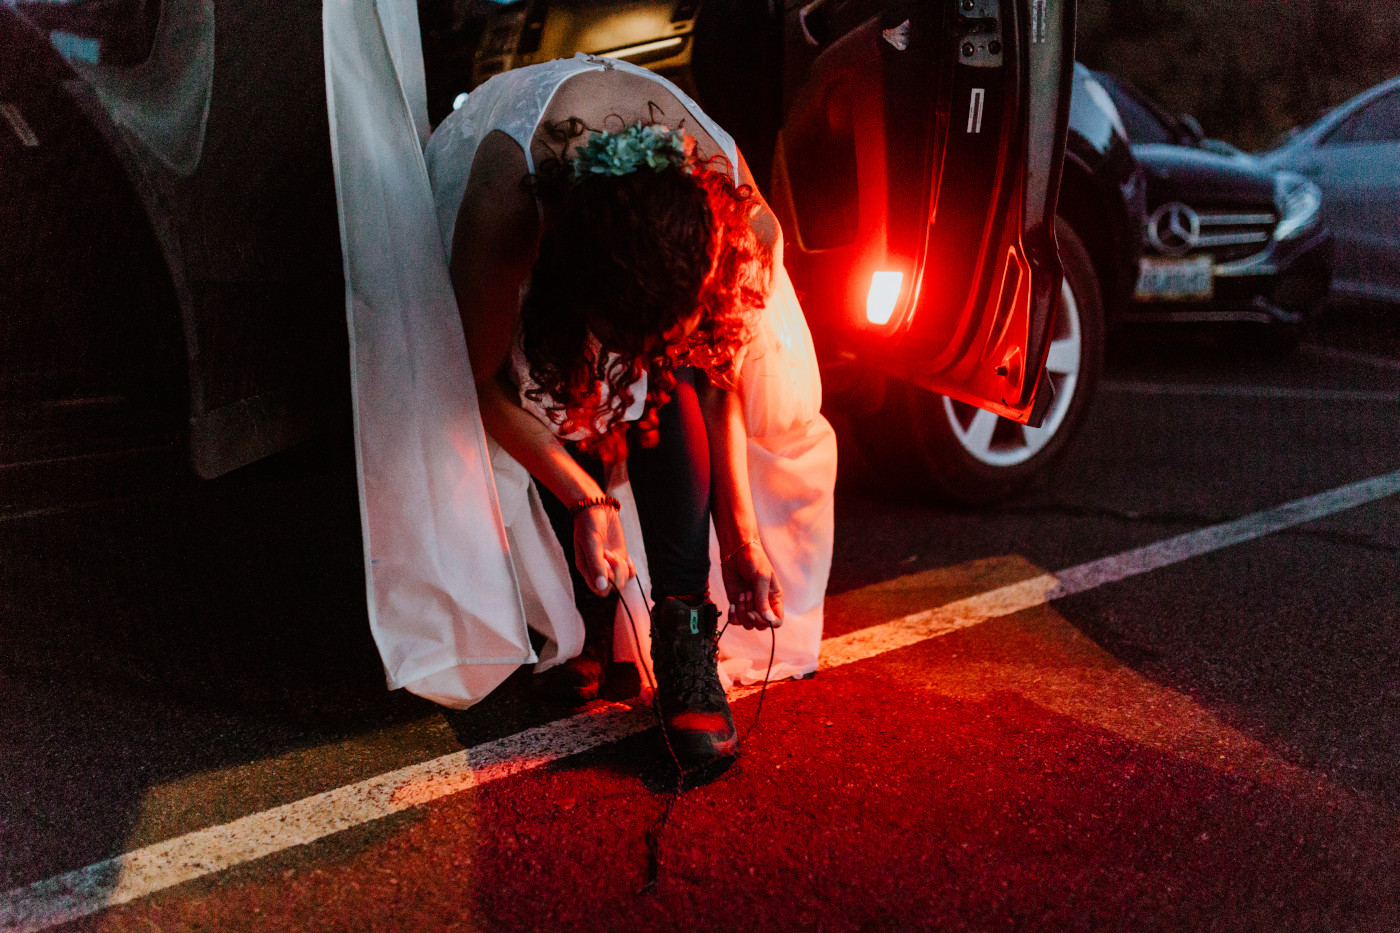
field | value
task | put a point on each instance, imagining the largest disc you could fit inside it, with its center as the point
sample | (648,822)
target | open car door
(915,176)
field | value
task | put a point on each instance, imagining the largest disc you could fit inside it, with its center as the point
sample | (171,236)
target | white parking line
(161,865)
(1350,356)
(1233,391)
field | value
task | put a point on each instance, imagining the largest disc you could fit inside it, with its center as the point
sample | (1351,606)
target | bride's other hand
(755,598)
(600,553)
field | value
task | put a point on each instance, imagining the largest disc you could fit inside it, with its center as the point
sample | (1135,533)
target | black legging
(671,483)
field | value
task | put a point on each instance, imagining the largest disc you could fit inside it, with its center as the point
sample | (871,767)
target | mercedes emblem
(1174,229)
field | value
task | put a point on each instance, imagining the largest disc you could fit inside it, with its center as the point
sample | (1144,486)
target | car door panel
(1385,209)
(947,121)
(1355,164)
(1377,166)
(1359,205)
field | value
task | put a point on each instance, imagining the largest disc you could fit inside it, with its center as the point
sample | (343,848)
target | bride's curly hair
(633,255)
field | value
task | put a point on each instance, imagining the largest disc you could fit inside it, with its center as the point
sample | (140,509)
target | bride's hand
(600,553)
(755,598)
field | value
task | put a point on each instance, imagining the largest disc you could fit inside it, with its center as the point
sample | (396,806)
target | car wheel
(972,456)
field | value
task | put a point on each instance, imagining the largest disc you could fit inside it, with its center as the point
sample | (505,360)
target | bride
(648,395)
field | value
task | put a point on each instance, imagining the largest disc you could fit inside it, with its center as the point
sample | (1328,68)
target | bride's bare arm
(493,249)
(749,579)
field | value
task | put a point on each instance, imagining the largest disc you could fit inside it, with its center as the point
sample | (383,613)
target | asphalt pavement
(197,737)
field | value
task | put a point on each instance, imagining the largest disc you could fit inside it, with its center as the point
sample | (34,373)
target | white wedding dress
(460,556)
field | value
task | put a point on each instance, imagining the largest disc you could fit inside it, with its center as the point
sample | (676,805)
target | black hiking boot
(578,680)
(694,711)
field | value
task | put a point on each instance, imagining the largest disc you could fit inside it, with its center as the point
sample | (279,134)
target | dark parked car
(836,105)
(1353,154)
(1227,238)
(970,454)
(167,308)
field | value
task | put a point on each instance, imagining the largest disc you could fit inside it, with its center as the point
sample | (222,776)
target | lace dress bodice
(779,383)
(514,102)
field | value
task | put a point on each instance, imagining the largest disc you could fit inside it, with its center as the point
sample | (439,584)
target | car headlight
(1299,202)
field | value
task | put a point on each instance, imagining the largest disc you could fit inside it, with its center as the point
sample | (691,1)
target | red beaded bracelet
(583,505)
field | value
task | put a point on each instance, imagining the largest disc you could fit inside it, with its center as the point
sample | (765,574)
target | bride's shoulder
(498,195)
(499,158)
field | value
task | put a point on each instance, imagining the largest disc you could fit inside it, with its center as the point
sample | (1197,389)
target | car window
(1378,121)
(1142,125)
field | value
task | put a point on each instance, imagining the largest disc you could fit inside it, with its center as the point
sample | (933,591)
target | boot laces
(696,681)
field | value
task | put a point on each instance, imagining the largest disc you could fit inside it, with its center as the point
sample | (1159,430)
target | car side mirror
(107,32)
(1284,138)
(1219,147)
(1192,126)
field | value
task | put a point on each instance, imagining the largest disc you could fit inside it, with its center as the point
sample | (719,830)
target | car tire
(966,455)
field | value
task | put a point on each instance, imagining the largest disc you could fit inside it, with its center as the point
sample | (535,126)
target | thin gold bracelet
(735,553)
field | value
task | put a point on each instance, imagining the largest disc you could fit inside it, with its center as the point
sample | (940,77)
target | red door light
(884,295)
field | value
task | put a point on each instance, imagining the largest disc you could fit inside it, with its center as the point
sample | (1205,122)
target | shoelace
(654,832)
(693,682)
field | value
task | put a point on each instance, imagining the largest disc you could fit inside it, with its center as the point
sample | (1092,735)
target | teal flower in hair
(628,149)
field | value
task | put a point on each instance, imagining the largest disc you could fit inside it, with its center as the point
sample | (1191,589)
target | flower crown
(624,151)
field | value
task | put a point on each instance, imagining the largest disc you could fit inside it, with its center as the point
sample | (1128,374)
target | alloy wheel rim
(1001,442)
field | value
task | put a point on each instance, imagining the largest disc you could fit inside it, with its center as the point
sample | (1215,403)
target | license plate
(1174,278)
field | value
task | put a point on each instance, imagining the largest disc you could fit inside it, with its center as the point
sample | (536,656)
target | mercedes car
(1227,239)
